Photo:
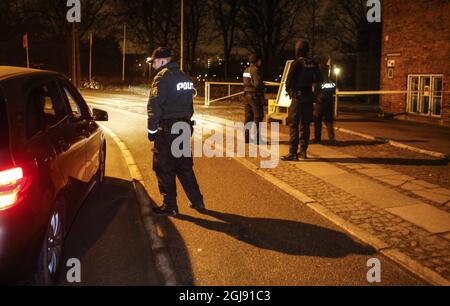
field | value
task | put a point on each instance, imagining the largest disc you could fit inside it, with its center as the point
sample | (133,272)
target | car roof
(7,72)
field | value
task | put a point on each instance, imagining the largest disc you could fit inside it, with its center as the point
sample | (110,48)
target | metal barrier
(361,93)
(277,104)
(208,100)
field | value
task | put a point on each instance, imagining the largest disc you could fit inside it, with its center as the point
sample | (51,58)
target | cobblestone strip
(432,251)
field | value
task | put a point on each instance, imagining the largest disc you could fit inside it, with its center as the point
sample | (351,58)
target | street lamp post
(124,50)
(90,56)
(337,72)
(182,36)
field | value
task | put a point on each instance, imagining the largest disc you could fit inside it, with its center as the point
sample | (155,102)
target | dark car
(52,154)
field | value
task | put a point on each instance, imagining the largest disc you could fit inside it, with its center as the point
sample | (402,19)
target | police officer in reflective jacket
(324,110)
(170,103)
(254,95)
(303,76)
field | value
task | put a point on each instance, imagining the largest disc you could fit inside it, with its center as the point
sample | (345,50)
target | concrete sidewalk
(420,135)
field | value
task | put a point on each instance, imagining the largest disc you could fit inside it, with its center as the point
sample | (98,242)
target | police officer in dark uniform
(324,110)
(303,75)
(254,95)
(171,102)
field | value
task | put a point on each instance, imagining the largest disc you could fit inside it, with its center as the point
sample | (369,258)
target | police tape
(381,92)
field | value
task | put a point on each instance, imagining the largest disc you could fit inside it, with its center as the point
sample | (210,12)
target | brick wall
(418,30)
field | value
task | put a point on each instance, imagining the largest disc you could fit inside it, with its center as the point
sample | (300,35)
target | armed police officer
(254,95)
(324,110)
(303,76)
(171,102)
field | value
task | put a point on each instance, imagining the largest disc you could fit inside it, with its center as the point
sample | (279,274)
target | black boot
(331,134)
(303,155)
(165,211)
(290,157)
(198,207)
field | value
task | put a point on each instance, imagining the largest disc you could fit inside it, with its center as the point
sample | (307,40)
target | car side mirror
(100,115)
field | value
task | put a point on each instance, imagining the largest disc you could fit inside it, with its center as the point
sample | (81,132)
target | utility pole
(90,56)
(182,36)
(26,46)
(337,71)
(74,56)
(77,40)
(124,50)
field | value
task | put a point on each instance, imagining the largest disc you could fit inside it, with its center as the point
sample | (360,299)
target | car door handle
(64,145)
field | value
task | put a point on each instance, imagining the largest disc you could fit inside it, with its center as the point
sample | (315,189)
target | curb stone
(162,258)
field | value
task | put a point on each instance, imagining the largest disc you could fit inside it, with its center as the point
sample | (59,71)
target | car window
(44,108)
(4,129)
(75,105)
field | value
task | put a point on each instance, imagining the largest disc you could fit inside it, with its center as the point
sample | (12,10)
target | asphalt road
(108,236)
(252,234)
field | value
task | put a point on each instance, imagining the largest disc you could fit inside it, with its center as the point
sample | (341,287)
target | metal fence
(230,95)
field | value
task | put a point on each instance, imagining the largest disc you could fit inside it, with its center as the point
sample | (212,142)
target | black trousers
(254,111)
(168,168)
(324,113)
(300,119)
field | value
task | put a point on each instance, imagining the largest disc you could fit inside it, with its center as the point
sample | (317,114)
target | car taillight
(11,183)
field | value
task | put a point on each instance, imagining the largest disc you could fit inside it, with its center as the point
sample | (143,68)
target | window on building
(437,96)
(425,94)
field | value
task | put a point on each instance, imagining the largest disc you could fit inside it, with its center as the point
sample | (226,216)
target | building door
(425,95)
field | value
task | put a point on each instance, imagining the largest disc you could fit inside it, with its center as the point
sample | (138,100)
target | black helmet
(253,58)
(302,48)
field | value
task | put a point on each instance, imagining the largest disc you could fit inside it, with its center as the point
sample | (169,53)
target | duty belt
(258,93)
(301,92)
(166,124)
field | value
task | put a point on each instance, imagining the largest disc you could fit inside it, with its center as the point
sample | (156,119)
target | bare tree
(225,13)
(267,27)
(195,12)
(48,23)
(152,23)
(358,40)
(313,27)
(11,17)
(348,25)
(52,17)
(13,24)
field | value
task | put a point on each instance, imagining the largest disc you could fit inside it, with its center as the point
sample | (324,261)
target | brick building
(416,58)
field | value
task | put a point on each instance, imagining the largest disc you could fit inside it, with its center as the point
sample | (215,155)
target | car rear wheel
(51,255)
